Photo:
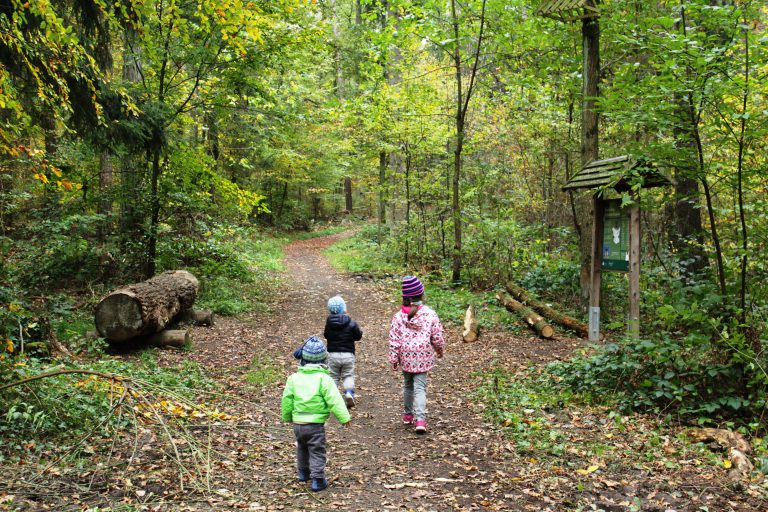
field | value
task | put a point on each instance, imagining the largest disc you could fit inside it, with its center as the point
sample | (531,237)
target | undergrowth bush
(58,410)
(707,381)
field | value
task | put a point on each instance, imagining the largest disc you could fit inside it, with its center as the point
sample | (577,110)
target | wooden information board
(615,247)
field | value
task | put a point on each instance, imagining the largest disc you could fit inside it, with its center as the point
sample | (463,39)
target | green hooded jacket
(310,395)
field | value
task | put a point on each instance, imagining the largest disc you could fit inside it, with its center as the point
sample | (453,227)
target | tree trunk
(145,308)
(105,186)
(590,34)
(533,320)
(348,194)
(566,321)
(382,193)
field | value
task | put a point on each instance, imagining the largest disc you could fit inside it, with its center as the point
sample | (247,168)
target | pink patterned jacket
(413,343)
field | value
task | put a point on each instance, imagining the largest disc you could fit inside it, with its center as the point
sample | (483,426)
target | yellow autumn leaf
(589,470)
(727,464)
(9,346)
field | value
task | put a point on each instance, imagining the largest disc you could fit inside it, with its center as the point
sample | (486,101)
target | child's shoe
(349,398)
(303,475)
(407,419)
(319,484)
(421,426)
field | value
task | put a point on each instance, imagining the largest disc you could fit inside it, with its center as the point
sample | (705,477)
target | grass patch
(360,255)
(264,372)
(325,231)
(242,273)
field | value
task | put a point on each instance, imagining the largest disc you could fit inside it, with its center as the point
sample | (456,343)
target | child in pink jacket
(415,338)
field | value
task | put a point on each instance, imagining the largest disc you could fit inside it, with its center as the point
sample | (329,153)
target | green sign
(615,237)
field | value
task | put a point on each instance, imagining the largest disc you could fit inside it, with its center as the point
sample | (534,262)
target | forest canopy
(146,135)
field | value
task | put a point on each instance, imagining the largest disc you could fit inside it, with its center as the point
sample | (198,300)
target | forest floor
(462,463)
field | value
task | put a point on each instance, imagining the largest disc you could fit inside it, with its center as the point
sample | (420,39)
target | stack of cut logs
(537,314)
(534,313)
(142,312)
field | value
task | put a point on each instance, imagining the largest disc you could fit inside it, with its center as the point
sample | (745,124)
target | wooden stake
(633,326)
(596,276)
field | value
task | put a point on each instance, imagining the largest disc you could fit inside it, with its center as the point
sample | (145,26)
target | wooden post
(633,325)
(596,274)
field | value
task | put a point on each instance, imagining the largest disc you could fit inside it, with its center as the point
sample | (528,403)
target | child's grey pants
(415,394)
(342,368)
(310,448)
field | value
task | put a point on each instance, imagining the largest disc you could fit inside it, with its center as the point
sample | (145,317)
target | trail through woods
(378,464)
(246,461)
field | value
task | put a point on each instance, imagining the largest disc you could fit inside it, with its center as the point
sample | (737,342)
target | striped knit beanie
(412,287)
(313,350)
(336,305)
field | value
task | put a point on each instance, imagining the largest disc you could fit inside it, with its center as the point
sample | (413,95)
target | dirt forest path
(378,463)
(462,463)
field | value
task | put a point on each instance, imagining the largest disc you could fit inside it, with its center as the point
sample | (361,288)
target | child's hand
(439,353)
(347,424)
(394,366)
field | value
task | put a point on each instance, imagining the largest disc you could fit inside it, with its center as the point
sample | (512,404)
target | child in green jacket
(309,397)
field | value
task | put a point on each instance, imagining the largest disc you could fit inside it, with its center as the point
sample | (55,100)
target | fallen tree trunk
(145,308)
(534,320)
(566,321)
(471,332)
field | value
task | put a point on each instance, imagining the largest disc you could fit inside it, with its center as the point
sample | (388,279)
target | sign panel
(615,237)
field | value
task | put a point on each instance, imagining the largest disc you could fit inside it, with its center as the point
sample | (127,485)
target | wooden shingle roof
(567,10)
(619,173)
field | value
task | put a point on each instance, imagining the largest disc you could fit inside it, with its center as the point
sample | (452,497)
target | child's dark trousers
(310,449)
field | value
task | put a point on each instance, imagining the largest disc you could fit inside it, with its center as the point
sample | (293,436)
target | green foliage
(360,254)
(711,381)
(238,269)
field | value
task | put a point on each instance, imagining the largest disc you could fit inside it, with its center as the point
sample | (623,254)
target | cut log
(470,333)
(202,317)
(145,308)
(534,320)
(569,322)
(175,338)
(168,338)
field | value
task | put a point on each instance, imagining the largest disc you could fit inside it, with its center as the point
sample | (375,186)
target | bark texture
(534,320)
(559,318)
(145,308)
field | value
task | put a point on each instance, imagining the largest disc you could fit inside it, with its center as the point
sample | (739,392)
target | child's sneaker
(349,398)
(303,475)
(421,426)
(407,419)
(319,484)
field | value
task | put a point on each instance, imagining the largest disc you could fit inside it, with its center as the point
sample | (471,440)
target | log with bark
(145,308)
(168,338)
(569,322)
(534,320)
(471,332)
(204,317)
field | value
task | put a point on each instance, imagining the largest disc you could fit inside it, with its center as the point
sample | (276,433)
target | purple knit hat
(412,287)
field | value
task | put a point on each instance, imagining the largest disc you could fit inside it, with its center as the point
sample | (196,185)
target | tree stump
(471,330)
(145,308)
